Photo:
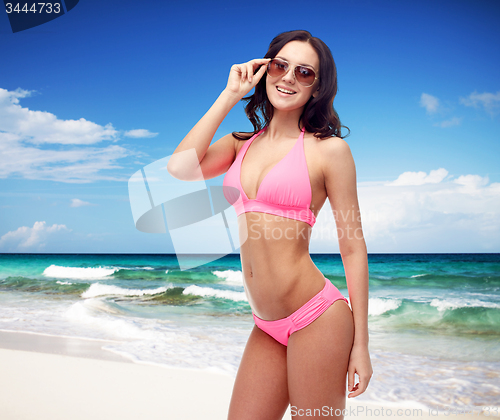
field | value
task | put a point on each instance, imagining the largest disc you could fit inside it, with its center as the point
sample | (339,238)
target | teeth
(284,90)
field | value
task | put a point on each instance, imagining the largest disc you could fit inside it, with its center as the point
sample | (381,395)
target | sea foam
(378,306)
(230,276)
(62,272)
(209,292)
(97,289)
(444,304)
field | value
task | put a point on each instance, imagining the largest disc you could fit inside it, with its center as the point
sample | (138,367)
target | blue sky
(90,98)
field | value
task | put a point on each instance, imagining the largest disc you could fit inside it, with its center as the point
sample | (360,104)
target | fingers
(260,62)
(243,70)
(242,78)
(249,72)
(246,70)
(360,387)
(252,65)
(258,75)
(260,72)
(237,69)
(350,379)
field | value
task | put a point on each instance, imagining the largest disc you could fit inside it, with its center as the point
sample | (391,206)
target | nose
(289,76)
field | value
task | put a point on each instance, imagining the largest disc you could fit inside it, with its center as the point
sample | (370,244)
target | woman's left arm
(340,181)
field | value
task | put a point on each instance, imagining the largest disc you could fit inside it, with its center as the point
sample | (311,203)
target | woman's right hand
(242,78)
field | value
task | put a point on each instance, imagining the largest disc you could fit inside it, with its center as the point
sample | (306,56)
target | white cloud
(79,163)
(419,178)
(31,239)
(449,123)
(433,106)
(76,202)
(489,101)
(429,102)
(140,133)
(471,184)
(459,214)
(446,215)
(43,127)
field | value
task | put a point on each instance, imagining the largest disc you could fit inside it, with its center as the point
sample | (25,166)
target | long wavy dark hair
(319,115)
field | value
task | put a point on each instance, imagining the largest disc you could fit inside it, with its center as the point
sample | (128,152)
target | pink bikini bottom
(281,329)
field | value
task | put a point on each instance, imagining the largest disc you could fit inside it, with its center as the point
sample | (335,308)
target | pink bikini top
(285,190)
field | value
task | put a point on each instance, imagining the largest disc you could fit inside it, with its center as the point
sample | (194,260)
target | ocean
(434,319)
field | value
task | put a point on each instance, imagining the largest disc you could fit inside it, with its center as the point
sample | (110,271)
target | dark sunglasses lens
(276,68)
(304,75)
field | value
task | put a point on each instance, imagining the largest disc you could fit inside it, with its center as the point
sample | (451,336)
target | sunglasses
(306,76)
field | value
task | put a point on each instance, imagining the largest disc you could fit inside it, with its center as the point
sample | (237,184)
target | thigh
(260,389)
(317,360)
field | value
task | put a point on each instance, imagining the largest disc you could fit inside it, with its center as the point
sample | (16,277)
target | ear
(316,93)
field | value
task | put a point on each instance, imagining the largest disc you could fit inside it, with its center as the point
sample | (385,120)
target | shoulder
(331,149)
(335,155)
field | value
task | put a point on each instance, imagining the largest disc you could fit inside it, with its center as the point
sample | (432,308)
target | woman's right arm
(216,159)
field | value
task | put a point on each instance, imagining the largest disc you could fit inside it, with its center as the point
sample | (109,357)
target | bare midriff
(278,273)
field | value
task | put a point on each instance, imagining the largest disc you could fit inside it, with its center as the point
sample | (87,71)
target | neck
(284,123)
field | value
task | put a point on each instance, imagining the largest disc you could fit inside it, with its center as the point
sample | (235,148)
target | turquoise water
(434,319)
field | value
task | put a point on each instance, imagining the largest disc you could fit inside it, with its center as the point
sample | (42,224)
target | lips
(285,91)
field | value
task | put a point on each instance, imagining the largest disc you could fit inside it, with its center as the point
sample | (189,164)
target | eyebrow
(306,65)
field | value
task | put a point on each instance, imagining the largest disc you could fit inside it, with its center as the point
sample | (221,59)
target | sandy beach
(64,378)
(50,378)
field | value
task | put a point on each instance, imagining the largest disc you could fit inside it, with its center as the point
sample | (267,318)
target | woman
(306,338)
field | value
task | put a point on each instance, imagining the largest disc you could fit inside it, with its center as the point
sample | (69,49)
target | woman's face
(284,92)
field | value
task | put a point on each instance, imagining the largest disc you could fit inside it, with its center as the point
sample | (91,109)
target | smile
(283,90)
